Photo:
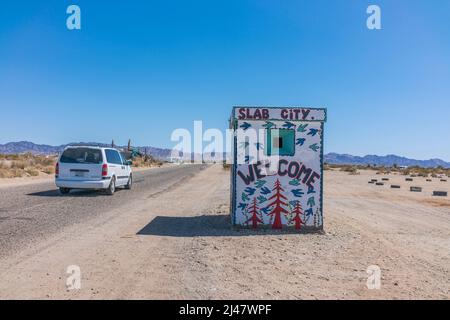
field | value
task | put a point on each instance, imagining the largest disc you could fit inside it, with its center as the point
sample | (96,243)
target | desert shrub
(4,173)
(146,161)
(10,156)
(16,173)
(32,172)
(45,161)
(19,164)
(409,171)
(349,169)
(48,169)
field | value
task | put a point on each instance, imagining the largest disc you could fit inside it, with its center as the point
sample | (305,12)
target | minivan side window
(112,156)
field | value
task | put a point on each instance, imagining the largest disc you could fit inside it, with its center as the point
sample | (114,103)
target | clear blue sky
(140,69)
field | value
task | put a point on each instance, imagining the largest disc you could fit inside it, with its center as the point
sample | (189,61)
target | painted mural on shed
(277,171)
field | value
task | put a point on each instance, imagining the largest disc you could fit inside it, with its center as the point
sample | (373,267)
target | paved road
(32,212)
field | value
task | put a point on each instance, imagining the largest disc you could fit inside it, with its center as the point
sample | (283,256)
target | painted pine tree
(254,218)
(298,211)
(277,204)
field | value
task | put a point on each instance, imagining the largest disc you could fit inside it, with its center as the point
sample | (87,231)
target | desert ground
(170,238)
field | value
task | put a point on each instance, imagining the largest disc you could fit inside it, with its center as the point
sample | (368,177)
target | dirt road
(174,241)
(32,212)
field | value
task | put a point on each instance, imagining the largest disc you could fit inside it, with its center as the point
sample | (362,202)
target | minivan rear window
(82,155)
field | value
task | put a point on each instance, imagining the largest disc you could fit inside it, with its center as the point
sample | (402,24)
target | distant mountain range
(26,146)
(389,160)
(163,154)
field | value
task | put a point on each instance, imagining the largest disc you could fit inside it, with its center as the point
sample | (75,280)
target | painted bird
(313,132)
(288,125)
(260,183)
(261,199)
(309,212)
(250,191)
(294,182)
(297,192)
(244,145)
(269,125)
(311,202)
(314,147)
(259,145)
(302,127)
(245,126)
(300,141)
(242,206)
(244,197)
(311,190)
(265,190)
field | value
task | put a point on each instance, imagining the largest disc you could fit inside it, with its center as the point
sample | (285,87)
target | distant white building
(175,159)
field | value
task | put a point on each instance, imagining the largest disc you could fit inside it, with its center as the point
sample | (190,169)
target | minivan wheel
(130,182)
(112,187)
(64,190)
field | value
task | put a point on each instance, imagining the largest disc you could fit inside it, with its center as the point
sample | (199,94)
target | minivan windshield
(82,155)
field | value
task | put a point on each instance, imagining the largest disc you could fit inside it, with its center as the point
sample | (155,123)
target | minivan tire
(64,190)
(112,187)
(130,182)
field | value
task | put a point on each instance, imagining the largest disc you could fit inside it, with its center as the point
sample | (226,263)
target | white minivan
(84,167)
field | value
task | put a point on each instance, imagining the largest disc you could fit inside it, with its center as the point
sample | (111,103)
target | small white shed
(277,170)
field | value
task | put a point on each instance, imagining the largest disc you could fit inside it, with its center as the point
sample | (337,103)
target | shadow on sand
(204,226)
(73,193)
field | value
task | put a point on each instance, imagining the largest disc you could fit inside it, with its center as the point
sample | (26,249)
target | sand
(178,244)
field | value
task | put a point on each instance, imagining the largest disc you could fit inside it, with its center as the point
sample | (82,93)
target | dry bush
(146,161)
(353,170)
(4,173)
(4,164)
(10,156)
(425,172)
(15,173)
(413,170)
(48,170)
(18,165)
(31,172)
